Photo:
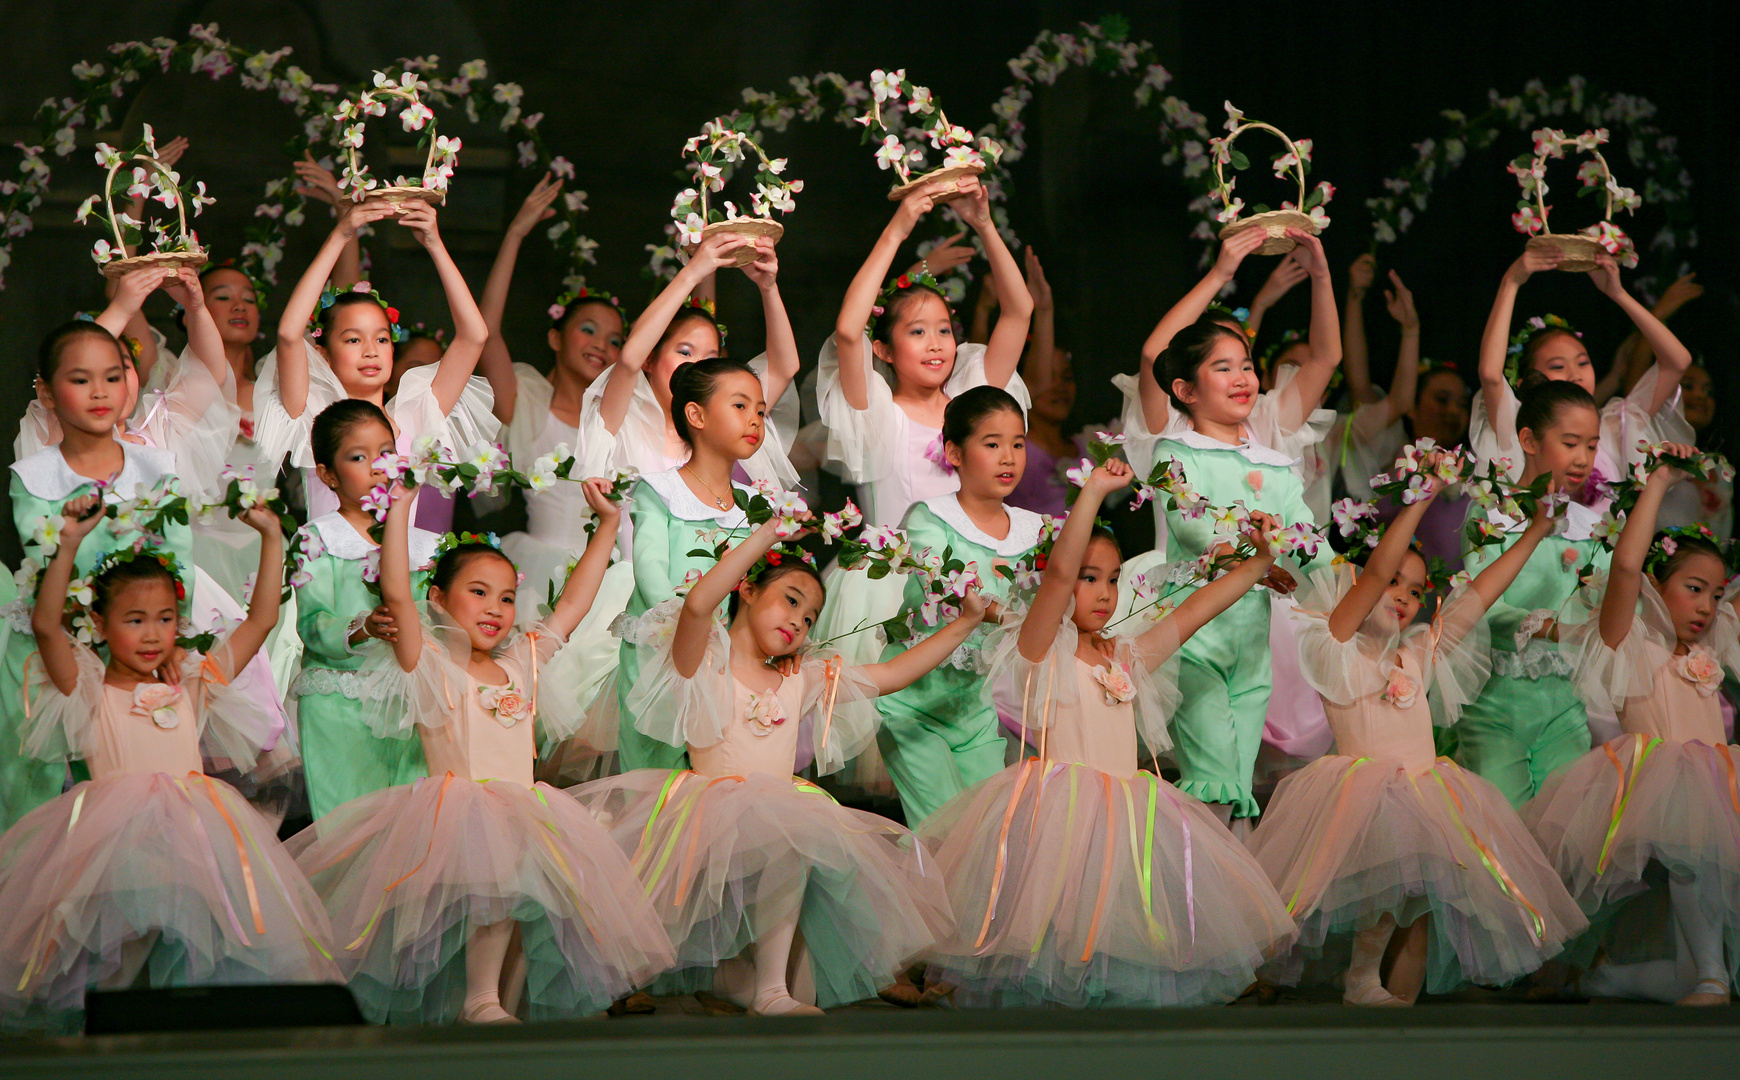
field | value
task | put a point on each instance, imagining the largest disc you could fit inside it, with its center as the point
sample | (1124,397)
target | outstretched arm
(1670,355)
(900,672)
(1495,339)
(497,364)
(202,331)
(1356,359)
(1057,583)
(695,621)
(469,331)
(1201,606)
(581,588)
(1156,406)
(263,606)
(1406,380)
(299,308)
(1491,582)
(1042,361)
(1286,274)
(78,518)
(1014,303)
(1625,573)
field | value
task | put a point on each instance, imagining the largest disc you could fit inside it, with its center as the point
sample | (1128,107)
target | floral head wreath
(701,303)
(1242,315)
(899,285)
(81,597)
(437,335)
(777,555)
(578,292)
(1536,326)
(454,541)
(1666,546)
(330,295)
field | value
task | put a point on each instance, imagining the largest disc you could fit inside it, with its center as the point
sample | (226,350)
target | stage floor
(1470,1036)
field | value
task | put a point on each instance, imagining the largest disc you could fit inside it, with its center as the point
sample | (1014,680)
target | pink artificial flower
(1700,668)
(935,454)
(157,700)
(1254,479)
(1115,683)
(1401,689)
(1568,558)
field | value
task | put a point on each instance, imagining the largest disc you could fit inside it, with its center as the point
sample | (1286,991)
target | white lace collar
(46,475)
(1254,452)
(344,542)
(1023,526)
(1580,522)
(686,505)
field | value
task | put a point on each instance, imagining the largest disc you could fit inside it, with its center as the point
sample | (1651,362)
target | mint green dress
(1224,673)
(668,520)
(939,736)
(342,758)
(1529,722)
(40,485)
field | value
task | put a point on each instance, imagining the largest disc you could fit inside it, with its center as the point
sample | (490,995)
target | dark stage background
(624,85)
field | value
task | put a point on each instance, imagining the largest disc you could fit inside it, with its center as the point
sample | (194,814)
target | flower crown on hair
(330,295)
(81,595)
(577,292)
(437,335)
(454,541)
(1666,546)
(1429,365)
(701,303)
(1287,340)
(899,285)
(1241,315)
(1534,327)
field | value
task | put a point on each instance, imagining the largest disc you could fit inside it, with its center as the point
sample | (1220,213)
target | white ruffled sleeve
(1274,425)
(1724,637)
(395,701)
(1153,668)
(858,444)
(969,371)
(675,710)
(1492,438)
(1455,654)
(839,714)
(39,429)
(532,394)
(1140,444)
(1604,676)
(279,436)
(1341,671)
(1045,688)
(1625,421)
(771,462)
(192,417)
(57,726)
(416,412)
(233,726)
(1370,449)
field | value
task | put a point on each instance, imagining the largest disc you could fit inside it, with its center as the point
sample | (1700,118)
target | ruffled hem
(1638,800)
(135,854)
(1221,791)
(1075,887)
(410,870)
(720,856)
(1348,840)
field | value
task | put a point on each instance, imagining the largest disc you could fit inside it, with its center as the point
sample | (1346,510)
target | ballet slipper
(941,993)
(1264,991)
(1708,992)
(485,1009)
(781,1003)
(1372,994)
(638,1003)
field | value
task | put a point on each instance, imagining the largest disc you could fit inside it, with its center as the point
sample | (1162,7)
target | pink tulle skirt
(1075,887)
(1634,800)
(408,872)
(181,861)
(1348,840)
(723,858)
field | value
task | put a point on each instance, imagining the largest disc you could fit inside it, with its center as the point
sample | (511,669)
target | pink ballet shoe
(487,1011)
(1374,995)
(782,1004)
(1708,992)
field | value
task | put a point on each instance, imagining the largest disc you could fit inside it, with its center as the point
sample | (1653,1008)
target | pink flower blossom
(1401,690)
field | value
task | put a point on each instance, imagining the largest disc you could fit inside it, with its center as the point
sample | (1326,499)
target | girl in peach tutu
(1378,837)
(452,893)
(1662,794)
(1075,878)
(151,860)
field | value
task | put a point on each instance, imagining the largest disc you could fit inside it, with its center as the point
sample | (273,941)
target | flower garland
(716,151)
(1530,218)
(1623,496)
(106,86)
(155,182)
(576,291)
(1666,184)
(893,95)
(414,116)
(330,295)
(1667,545)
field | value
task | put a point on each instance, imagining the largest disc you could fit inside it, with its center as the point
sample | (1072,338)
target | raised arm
(1640,353)
(1380,569)
(1042,362)
(318,183)
(1672,357)
(497,364)
(1625,573)
(718,251)
(1014,304)
(1491,583)
(78,518)
(1160,641)
(1495,339)
(454,369)
(695,621)
(581,588)
(860,298)
(1156,406)
(782,350)
(1356,357)
(263,605)
(202,331)
(129,296)
(901,671)
(1286,274)
(1306,390)
(396,594)
(1406,380)
(1057,582)
(299,308)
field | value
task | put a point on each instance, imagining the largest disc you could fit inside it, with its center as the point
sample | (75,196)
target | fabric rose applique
(765,713)
(1700,668)
(1401,689)
(507,703)
(1115,684)
(157,700)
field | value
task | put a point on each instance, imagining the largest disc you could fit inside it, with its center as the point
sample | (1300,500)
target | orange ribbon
(1733,785)
(1087,949)
(1539,927)
(1641,748)
(241,851)
(1003,849)
(832,674)
(440,797)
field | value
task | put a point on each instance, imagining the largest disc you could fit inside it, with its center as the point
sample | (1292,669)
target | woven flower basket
(1273,222)
(754,228)
(952,173)
(1577,251)
(192,256)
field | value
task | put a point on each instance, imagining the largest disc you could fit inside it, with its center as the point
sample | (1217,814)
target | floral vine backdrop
(1099,173)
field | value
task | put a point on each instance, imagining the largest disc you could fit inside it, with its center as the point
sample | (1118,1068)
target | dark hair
(128,572)
(1189,350)
(694,381)
(686,314)
(560,323)
(1686,544)
(964,413)
(452,560)
(789,564)
(1541,403)
(335,422)
(49,352)
(1103,532)
(344,300)
(1426,377)
(1532,345)
(884,331)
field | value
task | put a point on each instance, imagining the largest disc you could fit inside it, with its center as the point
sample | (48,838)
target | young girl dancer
(748,864)
(1074,878)
(352,357)
(1378,835)
(1528,723)
(1662,793)
(940,735)
(337,616)
(149,860)
(477,859)
(1551,350)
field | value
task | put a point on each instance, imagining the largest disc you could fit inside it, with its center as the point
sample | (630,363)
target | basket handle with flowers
(1578,249)
(151,180)
(414,115)
(893,94)
(719,147)
(1307,214)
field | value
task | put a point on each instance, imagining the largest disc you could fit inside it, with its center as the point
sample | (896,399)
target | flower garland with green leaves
(716,153)
(156,182)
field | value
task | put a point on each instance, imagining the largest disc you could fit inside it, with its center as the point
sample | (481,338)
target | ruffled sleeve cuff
(1341,671)
(279,436)
(858,439)
(1625,422)
(417,412)
(969,371)
(57,726)
(1604,676)
(233,726)
(394,700)
(1140,444)
(771,462)
(1455,654)
(839,713)
(665,705)
(1044,688)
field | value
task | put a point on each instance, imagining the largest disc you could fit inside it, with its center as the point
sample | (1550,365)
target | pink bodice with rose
(763,737)
(491,734)
(1686,704)
(1101,732)
(1392,725)
(153,728)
